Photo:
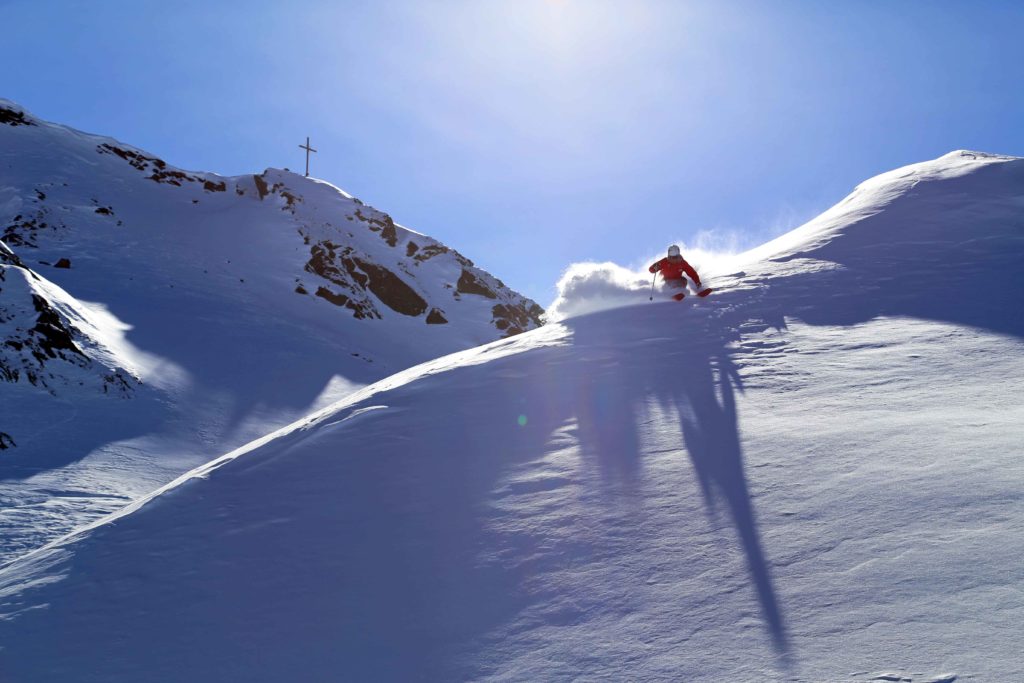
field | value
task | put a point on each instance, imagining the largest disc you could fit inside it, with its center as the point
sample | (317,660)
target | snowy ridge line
(590,287)
(869,199)
(98,140)
(549,335)
(413,275)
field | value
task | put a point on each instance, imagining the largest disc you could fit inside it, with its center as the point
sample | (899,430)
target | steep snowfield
(218,308)
(813,475)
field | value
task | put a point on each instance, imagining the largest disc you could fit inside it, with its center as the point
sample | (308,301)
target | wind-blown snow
(591,287)
(813,475)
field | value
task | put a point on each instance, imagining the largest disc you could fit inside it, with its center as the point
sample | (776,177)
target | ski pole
(651,297)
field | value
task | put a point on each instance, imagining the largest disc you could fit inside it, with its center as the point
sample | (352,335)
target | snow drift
(813,475)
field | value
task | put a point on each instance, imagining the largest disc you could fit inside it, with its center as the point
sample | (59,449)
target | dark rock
(145,163)
(385,226)
(392,290)
(300,289)
(430,251)
(14,118)
(435,317)
(54,334)
(117,383)
(6,441)
(289,198)
(411,248)
(23,231)
(62,263)
(211,186)
(9,257)
(336,299)
(261,186)
(469,284)
(516,319)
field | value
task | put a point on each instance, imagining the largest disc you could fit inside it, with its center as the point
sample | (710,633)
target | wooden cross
(308,150)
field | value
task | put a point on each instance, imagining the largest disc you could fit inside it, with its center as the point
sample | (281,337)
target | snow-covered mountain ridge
(356,256)
(813,475)
(152,318)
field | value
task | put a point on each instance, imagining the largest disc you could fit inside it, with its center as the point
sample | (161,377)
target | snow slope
(226,307)
(813,475)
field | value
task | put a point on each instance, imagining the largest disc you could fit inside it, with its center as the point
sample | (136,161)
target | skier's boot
(680,296)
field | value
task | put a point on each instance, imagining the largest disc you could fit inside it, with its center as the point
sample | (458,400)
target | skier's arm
(692,273)
(656,267)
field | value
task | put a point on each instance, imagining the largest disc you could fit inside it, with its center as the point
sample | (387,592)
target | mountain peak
(237,303)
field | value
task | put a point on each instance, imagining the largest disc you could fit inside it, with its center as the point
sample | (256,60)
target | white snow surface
(813,475)
(206,311)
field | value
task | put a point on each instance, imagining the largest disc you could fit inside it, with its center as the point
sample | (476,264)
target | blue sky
(530,134)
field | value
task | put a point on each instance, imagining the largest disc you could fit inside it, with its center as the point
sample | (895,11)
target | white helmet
(673,250)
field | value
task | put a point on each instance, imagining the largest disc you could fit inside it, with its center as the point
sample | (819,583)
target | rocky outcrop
(24,228)
(391,289)
(261,186)
(8,257)
(27,350)
(355,275)
(13,117)
(430,251)
(516,319)
(40,345)
(469,284)
(436,317)
(264,190)
(333,263)
(360,281)
(382,223)
(158,169)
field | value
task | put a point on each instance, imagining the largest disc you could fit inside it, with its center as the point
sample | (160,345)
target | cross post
(308,150)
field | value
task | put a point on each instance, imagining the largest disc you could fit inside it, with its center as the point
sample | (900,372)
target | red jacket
(674,269)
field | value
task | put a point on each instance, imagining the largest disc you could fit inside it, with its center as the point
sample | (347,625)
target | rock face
(40,345)
(406,272)
(13,117)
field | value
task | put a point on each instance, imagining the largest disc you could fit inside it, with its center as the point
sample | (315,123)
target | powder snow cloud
(590,287)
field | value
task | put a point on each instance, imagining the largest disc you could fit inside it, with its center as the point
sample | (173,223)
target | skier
(672,268)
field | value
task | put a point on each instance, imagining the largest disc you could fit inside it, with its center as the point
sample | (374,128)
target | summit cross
(308,150)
